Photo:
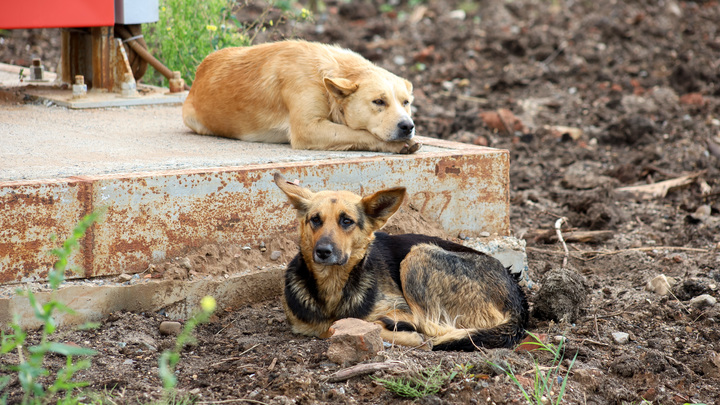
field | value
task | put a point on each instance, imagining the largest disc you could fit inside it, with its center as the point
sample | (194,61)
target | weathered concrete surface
(178,299)
(167,191)
(60,164)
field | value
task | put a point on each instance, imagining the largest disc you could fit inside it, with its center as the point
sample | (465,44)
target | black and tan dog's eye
(346,222)
(406,103)
(379,102)
(315,220)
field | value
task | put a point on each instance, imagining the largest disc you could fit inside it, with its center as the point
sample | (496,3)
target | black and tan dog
(424,291)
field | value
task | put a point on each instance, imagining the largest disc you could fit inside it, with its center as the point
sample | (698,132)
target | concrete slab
(167,190)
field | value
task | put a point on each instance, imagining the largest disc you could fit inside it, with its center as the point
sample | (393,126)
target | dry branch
(362,369)
(659,189)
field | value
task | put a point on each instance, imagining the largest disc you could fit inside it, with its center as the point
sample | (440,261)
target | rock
(621,338)
(170,328)
(124,277)
(561,296)
(354,341)
(702,301)
(660,284)
(275,255)
(185,263)
(584,175)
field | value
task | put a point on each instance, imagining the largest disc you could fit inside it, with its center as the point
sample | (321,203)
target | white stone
(660,284)
(621,338)
(702,301)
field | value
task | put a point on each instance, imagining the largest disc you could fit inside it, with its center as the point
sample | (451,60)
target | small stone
(457,15)
(170,328)
(128,361)
(185,263)
(262,247)
(275,255)
(621,338)
(246,248)
(124,277)
(702,301)
(354,341)
(660,284)
(485,234)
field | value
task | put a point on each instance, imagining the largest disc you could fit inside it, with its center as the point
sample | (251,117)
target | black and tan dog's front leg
(398,328)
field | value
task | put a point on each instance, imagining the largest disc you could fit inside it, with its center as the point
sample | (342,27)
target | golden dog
(423,291)
(312,95)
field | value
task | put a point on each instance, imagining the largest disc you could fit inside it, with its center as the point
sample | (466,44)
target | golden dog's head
(377,101)
(336,227)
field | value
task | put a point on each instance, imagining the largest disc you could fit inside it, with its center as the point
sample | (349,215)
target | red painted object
(56,13)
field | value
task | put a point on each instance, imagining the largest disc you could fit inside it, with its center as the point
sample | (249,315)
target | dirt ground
(589,97)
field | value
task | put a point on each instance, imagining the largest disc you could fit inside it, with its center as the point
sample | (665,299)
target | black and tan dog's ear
(340,88)
(298,196)
(383,204)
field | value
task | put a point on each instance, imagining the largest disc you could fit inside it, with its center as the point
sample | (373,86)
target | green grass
(426,382)
(189,30)
(30,368)
(545,378)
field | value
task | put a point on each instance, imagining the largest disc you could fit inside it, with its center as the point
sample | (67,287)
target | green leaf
(67,350)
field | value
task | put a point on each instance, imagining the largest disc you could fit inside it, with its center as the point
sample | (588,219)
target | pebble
(170,328)
(621,338)
(660,284)
(275,255)
(702,301)
(185,263)
(128,361)
(484,234)
(457,15)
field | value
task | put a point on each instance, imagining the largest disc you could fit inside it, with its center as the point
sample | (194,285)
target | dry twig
(363,369)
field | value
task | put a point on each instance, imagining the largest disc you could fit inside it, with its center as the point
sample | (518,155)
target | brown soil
(640,79)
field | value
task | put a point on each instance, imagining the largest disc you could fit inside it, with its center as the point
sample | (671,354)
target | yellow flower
(304,13)
(208,304)
(211,27)
(168,28)
(162,9)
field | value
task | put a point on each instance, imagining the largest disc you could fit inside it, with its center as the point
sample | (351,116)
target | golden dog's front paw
(409,147)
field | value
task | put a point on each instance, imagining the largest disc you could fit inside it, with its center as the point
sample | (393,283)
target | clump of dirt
(561,297)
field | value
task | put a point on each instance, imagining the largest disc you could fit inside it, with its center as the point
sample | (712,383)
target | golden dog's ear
(409,86)
(340,88)
(299,197)
(383,204)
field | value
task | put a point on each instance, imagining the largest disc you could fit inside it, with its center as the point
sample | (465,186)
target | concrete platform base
(167,191)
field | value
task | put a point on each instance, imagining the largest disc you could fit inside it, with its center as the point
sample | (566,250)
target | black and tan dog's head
(336,227)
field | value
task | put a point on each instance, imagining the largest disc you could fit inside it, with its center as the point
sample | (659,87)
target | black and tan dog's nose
(323,251)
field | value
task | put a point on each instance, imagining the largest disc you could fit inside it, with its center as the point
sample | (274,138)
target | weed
(170,358)
(426,382)
(189,30)
(546,377)
(30,367)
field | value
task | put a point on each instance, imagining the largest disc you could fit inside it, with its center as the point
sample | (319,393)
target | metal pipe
(143,53)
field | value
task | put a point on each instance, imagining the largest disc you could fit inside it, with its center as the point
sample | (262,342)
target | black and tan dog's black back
(424,291)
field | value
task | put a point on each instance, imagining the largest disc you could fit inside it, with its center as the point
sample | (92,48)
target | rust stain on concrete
(153,216)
